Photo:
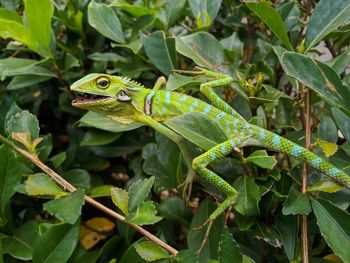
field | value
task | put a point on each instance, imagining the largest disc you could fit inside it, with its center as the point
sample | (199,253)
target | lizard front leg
(160,83)
(199,165)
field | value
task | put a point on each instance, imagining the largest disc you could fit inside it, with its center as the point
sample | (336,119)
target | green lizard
(127,101)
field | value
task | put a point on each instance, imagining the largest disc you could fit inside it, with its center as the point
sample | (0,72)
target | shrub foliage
(289,61)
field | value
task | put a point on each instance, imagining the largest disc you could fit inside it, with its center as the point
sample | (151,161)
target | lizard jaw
(87,98)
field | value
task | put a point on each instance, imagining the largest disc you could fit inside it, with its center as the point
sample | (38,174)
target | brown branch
(66,185)
(249,51)
(304,231)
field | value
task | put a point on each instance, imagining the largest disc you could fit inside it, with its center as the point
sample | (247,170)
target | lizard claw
(187,187)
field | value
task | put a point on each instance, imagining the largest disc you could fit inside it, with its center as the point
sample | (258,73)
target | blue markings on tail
(276,140)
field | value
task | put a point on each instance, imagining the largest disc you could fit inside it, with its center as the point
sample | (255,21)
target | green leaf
(272,19)
(247,259)
(38,14)
(106,57)
(249,196)
(163,160)
(104,20)
(233,45)
(21,66)
(328,148)
(138,192)
(176,81)
(10,15)
(19,82)
(319,77)
(334,226)
(94,255)
(174,11)
(267,233)
(41,184)
(187,256)
(56,244)
(20,244)
(343,122)
(97,137)
(296,203)
(204,11)
(134,10)
(22,122)
(244,223)
(10,177)
(161,51)
(120,198)
(198,129)
(205,50)
(100,191)
(14,29)
(101,121)
(261,159)
(145,214)
(131,254)
(334,14)
(150,251)
(195,237)
(25,139)
(290,13)
(324,186)
(135,46)
(80,178)
(58,159)
(340,62)
(287,227)
(174,209)
(327,130)
(228,248)
(68,208)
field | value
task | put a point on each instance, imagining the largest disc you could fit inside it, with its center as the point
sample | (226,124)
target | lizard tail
(280,144)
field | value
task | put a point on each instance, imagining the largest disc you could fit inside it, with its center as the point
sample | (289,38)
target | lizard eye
(122,96)
(103,83)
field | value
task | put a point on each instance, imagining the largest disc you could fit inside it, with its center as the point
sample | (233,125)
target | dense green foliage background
(47,45)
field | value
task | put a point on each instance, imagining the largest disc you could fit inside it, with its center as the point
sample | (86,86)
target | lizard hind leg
(199,165)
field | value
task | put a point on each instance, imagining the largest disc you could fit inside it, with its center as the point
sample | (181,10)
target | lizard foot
(187,187)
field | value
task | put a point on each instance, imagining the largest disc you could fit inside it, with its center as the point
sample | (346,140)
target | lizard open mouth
(86,97)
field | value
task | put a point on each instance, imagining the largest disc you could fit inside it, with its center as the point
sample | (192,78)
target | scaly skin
(127,101)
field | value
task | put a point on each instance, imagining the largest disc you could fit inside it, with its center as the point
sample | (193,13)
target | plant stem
(66,185)
(304,232)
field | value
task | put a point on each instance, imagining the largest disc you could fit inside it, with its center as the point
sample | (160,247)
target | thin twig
(304,239)
(66,185)
(250,47)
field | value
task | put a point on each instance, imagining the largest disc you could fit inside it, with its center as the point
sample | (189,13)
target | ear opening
(122,96)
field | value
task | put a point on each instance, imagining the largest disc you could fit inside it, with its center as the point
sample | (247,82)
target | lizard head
(111,95)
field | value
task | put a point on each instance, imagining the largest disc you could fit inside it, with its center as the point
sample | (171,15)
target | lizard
(127,101)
